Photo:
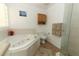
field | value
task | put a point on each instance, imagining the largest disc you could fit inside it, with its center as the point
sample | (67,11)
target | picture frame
(22,13)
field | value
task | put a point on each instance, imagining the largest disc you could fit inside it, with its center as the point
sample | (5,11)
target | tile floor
(46,49)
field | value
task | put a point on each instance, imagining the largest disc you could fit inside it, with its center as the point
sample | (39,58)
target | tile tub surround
(23,31)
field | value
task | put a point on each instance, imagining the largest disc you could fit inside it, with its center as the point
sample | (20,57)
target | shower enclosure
(70,39)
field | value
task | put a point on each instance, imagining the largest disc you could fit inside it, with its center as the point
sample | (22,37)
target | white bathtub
(23,45)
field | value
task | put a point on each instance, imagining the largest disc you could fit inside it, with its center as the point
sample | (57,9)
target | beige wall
(55,14)
(16,21)
(29,22)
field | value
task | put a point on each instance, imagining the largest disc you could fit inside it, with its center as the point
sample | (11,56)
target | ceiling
(41,5)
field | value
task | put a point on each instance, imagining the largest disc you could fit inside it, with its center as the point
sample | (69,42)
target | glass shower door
(66,29)
(70,40)
(73,48)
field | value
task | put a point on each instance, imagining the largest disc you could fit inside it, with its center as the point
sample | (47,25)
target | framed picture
(57,29)
(22,13)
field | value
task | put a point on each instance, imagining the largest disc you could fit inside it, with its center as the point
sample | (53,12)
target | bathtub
(23,45)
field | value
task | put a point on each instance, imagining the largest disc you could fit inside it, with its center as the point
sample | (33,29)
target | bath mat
(44,52)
